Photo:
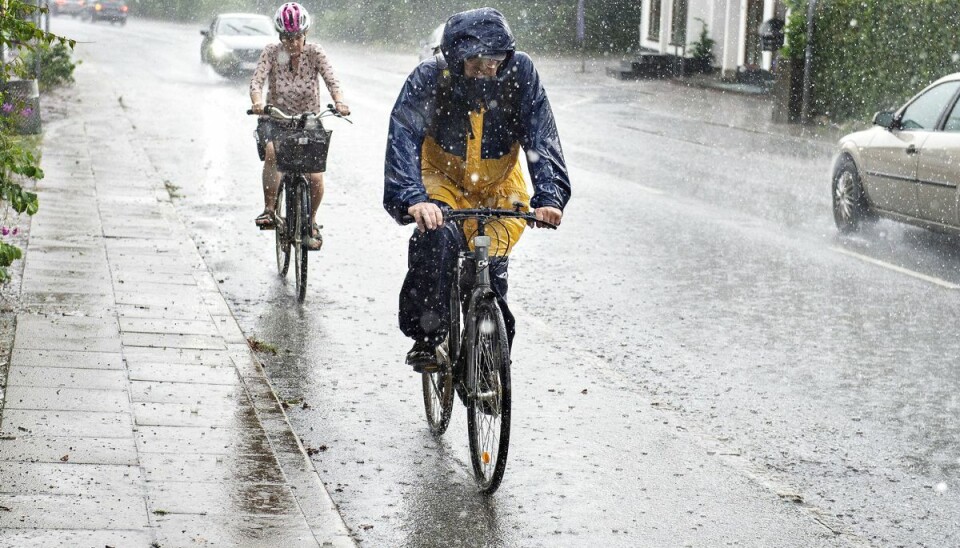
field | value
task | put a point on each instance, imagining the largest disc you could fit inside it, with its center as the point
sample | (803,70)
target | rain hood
(436,105)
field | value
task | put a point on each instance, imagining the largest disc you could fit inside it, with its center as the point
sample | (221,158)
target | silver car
(906,167)
(234,41)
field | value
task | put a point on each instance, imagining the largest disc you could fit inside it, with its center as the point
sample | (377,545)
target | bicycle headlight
(219,50)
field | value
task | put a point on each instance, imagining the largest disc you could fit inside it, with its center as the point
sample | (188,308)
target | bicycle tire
(438,386)
(488,380)
(280,233)
(302,232)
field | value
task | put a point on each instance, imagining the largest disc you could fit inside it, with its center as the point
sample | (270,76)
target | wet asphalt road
(694,318)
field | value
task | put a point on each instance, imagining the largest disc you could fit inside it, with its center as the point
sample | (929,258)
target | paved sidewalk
(136,415)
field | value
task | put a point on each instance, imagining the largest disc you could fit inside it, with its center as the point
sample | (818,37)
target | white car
(907,166)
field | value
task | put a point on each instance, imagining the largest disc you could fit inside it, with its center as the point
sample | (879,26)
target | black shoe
(423,358)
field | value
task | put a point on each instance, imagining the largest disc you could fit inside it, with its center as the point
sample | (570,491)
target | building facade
(670,26)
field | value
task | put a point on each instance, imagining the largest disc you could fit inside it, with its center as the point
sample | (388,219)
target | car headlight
(219,49)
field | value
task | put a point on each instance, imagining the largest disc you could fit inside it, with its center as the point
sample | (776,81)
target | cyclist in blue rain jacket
(456,133)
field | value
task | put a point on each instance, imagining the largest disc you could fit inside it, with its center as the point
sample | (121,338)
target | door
(938,172)
(891,158)
(753,56)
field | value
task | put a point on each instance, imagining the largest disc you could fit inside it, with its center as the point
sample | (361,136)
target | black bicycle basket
(303,150)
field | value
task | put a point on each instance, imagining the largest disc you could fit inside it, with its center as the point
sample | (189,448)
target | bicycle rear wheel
(438,387)
(302,231)
(488,379)
(280,233)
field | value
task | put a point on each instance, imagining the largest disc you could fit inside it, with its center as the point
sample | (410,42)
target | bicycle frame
(293,225)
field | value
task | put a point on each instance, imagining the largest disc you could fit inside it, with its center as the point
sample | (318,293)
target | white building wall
(726,20)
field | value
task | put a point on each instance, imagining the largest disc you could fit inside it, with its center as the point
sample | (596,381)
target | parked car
(68,7)
(906,167)
(430,46)
(234,41)
(114,11)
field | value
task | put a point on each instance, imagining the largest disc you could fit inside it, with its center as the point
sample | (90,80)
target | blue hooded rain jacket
(458,140)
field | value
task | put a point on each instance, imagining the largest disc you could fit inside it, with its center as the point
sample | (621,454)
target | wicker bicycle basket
(302,150)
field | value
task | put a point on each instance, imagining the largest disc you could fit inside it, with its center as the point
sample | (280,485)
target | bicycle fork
(480,292)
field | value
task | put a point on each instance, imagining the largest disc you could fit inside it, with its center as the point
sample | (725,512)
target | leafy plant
(703,47)
(55,62)
(18,162)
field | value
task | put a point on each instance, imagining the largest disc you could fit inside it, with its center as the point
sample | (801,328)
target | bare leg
(316,194)
(271,178)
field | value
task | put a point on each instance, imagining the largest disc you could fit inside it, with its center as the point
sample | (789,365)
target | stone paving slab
(248,531)
(67,399)
(66,423)
(158,278)
(36,357)
(46,478)
(229,330)
(186,393)
(70,284)
(212,414)
(143,354)
(29,325)
(45,538)
(183,373)
(221,498)
(77,450)
(198,468)
(201,440)
(173,340)
(173,327)
(160,312)
(64,377)
(97,512)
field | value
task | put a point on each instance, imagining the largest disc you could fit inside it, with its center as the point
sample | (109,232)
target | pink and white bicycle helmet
(291,18)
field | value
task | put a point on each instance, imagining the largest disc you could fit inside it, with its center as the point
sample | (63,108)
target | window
(953,121)
(925,110)
(653,27)
(678,30)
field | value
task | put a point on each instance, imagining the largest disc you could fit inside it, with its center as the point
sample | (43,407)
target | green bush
(18,160)
(871,55)
(56,65)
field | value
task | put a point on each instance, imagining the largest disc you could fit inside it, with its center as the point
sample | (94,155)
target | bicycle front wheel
(302,231)
(281,234)
(488,378)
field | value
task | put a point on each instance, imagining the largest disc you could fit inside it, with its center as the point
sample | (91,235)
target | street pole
(581,34)
(36,56)
(805,105)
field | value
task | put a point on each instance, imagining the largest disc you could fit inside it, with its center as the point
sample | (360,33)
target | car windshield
(250,26)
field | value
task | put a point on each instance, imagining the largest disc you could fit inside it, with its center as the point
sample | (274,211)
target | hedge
(547,26)
(872,55)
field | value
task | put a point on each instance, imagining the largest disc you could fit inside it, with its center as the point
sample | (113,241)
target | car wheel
(849,202)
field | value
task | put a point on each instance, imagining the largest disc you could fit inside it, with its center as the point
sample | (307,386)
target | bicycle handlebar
(277,114)
(485,213)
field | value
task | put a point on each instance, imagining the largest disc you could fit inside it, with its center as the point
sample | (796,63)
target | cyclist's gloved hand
(427,215)
(551,215)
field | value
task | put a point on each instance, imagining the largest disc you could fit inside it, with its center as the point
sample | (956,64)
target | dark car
(233,43)
(114,11)
(68,7)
